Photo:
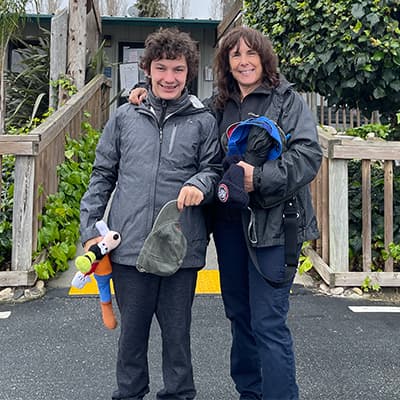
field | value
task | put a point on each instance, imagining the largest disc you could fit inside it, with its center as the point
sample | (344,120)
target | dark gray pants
(140,296)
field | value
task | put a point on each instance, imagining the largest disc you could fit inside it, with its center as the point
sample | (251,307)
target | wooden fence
(37,156)
(331,200)
(340,119)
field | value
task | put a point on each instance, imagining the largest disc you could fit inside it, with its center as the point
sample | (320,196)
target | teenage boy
(166,148)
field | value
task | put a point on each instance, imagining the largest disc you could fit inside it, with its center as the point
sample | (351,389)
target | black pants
(140,296)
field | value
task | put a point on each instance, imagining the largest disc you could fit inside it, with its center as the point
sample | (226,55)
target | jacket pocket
(272,266)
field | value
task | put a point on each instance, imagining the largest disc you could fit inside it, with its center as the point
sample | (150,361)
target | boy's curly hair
(170,43)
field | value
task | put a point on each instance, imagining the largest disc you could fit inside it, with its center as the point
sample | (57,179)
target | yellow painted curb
(89,288)
(207,283)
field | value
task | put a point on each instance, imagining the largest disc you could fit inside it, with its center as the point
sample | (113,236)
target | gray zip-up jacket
(277,180)
(147,153)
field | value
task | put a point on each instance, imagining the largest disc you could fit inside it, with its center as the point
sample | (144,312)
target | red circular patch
(223,193)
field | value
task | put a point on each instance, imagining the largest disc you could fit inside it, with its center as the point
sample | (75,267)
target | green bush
(59,233)
(345,50)
(6,207)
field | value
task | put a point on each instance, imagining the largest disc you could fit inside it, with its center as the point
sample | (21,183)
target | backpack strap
(290,212)
(290,224)
(278,95)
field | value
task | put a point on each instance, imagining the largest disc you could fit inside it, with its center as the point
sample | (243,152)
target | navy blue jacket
(290,175)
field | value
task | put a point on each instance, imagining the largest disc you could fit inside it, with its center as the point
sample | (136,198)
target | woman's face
(246,68)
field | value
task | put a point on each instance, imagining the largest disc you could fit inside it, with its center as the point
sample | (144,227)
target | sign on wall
(129,72)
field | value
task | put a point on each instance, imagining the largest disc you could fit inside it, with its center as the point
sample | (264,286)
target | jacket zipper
(160,123)
(172,142)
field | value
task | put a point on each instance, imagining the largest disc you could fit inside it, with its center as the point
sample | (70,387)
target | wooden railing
(37,156)
(331,200)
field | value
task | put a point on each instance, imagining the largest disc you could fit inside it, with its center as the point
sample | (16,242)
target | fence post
(58,52)
(338,215)
(21,259)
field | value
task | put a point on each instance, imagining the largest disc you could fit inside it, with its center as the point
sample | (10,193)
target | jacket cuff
(87,234)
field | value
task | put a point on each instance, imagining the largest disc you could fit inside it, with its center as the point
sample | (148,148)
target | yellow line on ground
(207,283)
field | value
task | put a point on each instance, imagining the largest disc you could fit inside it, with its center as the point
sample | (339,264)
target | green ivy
(6,209)
(368,286)
(65,83)
(346,50)
(378,130)
(305,263)
(59,232)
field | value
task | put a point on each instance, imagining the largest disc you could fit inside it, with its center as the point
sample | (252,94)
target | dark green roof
(40,17)
(142,21)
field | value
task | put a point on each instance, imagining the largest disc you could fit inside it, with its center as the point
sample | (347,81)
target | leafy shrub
(6,207)
(346,50)
(61,215)
(379,131)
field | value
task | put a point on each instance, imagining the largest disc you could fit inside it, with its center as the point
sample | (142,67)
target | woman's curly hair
(170,43)
(225,82)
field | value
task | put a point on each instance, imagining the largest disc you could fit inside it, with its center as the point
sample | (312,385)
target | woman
(256,297)
(256,273)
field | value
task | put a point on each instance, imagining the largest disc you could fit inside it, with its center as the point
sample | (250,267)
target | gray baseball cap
(165,247)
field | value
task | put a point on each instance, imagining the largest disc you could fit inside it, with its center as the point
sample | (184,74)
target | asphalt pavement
(56,348)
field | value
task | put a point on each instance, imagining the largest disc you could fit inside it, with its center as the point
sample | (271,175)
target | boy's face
(168,77)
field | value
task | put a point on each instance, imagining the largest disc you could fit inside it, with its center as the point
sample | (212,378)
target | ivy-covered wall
(346,50)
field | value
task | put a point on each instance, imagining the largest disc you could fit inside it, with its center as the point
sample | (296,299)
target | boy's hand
(91,242)
(189,196)
(136,96)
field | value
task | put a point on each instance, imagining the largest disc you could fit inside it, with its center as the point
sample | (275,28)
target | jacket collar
(161,106)
(265,90)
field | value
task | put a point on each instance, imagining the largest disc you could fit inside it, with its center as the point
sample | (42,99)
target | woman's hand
(248,176)
(136,96)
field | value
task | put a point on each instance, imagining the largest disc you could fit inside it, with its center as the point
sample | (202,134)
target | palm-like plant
(27,90)
(10,20)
